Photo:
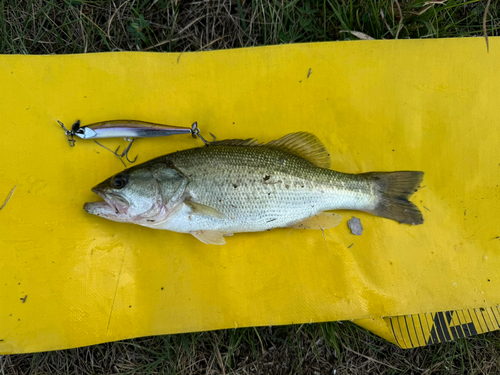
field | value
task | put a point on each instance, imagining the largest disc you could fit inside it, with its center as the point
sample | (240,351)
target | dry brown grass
(326,348)
(73,26)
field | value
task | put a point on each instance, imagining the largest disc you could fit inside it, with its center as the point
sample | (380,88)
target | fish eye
(119,181)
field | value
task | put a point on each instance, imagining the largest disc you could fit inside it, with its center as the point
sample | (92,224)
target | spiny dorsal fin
(305,145)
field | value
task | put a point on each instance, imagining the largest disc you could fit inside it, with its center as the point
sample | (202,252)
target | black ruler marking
(461,332)
(415,330)
(401,331)
(408,330)
(478,322)
(493,312)
(394,332)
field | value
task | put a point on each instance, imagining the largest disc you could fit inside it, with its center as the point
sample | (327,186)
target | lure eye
(119,181)
(75,126)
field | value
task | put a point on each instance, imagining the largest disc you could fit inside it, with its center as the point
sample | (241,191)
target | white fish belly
(255,214)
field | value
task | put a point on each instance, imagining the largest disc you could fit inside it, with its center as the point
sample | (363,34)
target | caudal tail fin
(395,188)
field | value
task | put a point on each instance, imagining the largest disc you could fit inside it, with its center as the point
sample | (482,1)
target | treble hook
(124,153)
(113,152)
(127,149)
(196,133)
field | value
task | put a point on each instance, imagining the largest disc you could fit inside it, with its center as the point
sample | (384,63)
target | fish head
(137,195)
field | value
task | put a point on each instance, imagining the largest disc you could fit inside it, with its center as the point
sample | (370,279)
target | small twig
(188,367)
(484,26)
(113,16)
(358,34)
(192,23)
(423,10)
(428,5)
(401,18)
(400,27)
(219,357)
(399,9)
(322,231)
(8,197)
(165,42)
(432,367)
(370,358)
(212,42)
(96,25)
(33,40)
(324,238)
(260,340)
(386,24)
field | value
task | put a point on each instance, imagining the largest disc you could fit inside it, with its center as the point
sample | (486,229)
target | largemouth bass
(236,186)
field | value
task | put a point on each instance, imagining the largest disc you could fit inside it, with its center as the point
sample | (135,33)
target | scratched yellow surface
(429,105)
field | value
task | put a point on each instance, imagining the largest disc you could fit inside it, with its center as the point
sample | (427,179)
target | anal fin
(323,220)
(211,237)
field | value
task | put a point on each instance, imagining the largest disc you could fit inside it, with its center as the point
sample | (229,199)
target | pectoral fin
(211,237)
(324,220)
(201,209)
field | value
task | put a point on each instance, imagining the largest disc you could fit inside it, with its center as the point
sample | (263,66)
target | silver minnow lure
(128,129)
(124,129)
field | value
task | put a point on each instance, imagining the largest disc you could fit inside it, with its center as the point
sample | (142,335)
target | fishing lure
(127,129)
(124,129)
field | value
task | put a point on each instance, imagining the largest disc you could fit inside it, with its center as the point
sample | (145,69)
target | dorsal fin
(305,145)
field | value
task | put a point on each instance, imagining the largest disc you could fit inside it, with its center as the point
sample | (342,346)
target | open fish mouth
(113,204)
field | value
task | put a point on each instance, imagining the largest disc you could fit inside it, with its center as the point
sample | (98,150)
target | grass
(82,26)
(298,349)
(72,26)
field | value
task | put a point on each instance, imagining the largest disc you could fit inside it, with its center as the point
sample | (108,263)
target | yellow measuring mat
(68,278)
